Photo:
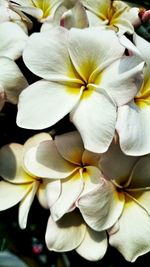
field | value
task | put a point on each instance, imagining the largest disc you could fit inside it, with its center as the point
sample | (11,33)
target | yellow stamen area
(142,100)
(44,5)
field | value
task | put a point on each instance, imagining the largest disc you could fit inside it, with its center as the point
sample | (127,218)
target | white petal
(90,48)
(95,118)
(25,205)
(132,238)
(13,83)
(133,127)
(120,165)
(94,245)
(11,194)
(66,234)
(125,78)
(45,161)
(70,146)
(102,206)
(47,56)
(13,40)
(35,140)
(71,189)
(53,190)
(11,161)
(143,47)
(46,101)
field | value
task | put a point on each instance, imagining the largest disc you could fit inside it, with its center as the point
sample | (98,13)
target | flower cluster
(90,65)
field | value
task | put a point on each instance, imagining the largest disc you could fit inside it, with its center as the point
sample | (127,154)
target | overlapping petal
(93,246)
(13,40)
(95,122)
(46,100)
(132,238)
(66,234)
(44,161)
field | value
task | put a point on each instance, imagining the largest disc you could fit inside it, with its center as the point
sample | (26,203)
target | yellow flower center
(143,97)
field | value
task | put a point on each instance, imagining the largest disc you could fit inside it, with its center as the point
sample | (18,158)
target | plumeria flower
(41,10)
(114,14)
(82,75)
(71,232)
(131,177)
(133,124)
(18,185)
(75,180)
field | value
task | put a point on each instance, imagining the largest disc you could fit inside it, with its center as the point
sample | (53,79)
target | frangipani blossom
(113,14)
(71,232)
(82,75)
(76,181)
(131,177)
(18,185)
(133,123)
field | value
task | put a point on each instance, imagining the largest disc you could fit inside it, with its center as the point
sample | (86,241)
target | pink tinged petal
(125,78)
(53,191)
(45,161)
(102,206)
(11,161)
(26,203)
(70,147)
(11,194)
(13,83)
(116,165)
(13,40)
(132,239)
(133,127)
(44,103)
(46,55)
(94,245)
(66,234)
(89,49)
(71,189)
(95,118)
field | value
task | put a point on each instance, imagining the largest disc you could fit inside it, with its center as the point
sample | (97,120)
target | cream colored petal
(11,164)
(101,206)
(11,194)
(13,40)
(66,234)
(35,140)
(26,203)
(94,245)
(132,238)
(71,189)
(53,191)
(45,161)
(70,147)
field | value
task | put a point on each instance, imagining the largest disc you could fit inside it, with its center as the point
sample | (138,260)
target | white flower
(18,185)
(131,177)
(83,75)
(75,181)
